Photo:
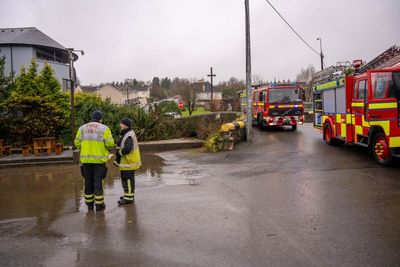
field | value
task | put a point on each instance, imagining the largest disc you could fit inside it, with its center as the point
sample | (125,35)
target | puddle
(46,192)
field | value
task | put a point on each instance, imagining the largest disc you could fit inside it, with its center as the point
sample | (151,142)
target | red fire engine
(361,108)
(278,104)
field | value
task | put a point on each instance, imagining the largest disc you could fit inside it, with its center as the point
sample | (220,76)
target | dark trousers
(128,184)
(94,175)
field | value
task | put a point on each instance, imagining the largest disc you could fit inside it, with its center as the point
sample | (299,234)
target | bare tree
(306,78)
(189,97)
(257,79)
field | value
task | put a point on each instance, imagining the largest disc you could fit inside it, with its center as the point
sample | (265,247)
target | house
(20,45)
(203,92)
(121,93)
(87,88)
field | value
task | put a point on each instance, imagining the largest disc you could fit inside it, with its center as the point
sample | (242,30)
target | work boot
(100,207)
(124,202)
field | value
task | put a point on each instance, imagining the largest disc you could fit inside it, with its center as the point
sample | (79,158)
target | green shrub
(212,143)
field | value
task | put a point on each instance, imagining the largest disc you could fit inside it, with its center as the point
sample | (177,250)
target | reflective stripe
(286,106)
(89,196)
(384,124)
(129,195)
(93,157)
(99,199)
(382,105)
(89,200)
(394,141)
(128,198)
(357,104)
(129,187)
(108,139)
(348,118)
(130,165)
(92,138)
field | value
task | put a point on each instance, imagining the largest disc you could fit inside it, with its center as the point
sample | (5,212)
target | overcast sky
(146,38)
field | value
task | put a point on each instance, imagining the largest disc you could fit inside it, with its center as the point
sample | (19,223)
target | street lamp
(321,54)
(72,76)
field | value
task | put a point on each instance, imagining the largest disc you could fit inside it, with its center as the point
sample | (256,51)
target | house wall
(60,70)
(22,55)
(207,96)
(115,95)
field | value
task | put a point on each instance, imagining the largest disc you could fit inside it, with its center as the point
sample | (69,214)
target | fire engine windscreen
(288,95)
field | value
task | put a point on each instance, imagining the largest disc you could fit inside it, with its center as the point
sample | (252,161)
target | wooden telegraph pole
(212,75)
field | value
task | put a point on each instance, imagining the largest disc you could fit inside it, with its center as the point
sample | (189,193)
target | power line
(291,27)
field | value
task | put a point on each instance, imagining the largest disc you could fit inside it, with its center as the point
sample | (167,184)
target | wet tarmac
(285,200)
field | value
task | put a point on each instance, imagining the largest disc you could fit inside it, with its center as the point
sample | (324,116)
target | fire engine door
(396,81)
(359,110)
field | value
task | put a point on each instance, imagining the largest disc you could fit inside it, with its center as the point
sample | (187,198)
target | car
(174,115)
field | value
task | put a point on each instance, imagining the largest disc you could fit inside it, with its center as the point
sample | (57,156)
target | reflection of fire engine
(278,104)
(362,108)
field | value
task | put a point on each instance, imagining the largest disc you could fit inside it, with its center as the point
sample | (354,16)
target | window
(261,97)
(362,86)
(355,90)
(382,85)
(284,95)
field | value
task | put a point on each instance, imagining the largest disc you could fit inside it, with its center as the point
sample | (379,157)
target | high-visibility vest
(94,141)
(132,160)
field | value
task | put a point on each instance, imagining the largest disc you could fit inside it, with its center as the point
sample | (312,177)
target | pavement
(287,199)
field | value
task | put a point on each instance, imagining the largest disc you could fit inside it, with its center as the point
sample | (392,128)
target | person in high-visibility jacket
(128,160)
(94,140)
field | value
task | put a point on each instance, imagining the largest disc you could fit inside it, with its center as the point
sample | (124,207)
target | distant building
(87,88)
(20,45)
(119,93)
(203,92)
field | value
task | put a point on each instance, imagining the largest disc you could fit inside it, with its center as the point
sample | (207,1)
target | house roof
(128,87)
(27,36)
(89,88)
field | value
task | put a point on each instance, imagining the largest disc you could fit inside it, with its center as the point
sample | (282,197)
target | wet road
(285,200)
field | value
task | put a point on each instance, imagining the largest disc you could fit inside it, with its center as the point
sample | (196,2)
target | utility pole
(212,75)
(249,104)
(72,85)
(321,54)
(72,78)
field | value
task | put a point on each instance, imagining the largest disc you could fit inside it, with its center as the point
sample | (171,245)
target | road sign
(180,105)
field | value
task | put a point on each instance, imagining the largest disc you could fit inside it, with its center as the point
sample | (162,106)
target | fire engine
(361,108)
(278,104)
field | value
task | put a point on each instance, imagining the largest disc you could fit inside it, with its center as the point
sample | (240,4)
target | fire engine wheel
(294,127)
(380,150)
(328,135)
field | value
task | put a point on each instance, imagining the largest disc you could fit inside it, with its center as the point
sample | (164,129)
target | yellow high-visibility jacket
(132,160)
(94,141)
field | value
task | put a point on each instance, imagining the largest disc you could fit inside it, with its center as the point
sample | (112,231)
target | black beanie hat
(97,115)
(127,122)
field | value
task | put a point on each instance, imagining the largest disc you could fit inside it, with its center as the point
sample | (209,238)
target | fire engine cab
(278,104)
(361,108)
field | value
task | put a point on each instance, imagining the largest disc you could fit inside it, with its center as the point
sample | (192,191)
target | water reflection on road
(41,194)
